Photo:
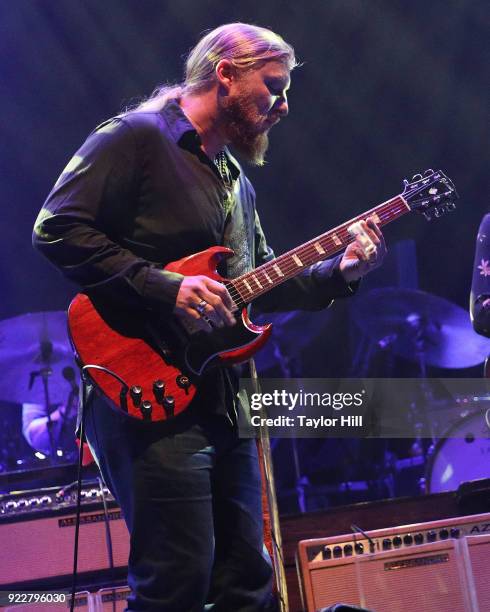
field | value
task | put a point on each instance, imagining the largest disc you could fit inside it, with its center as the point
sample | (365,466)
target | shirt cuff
(161,288)
(328,273)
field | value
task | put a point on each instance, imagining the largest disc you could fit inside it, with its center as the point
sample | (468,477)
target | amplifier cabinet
(477,555)
(438,565)
(430,577)
(40,547)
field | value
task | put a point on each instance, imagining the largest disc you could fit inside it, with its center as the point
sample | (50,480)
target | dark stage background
(387,89)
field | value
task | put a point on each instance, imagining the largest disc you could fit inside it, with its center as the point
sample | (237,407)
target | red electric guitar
(151,368)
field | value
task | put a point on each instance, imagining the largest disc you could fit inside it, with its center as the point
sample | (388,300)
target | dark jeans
(191,495)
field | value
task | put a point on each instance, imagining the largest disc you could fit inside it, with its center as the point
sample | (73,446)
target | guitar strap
(272,531)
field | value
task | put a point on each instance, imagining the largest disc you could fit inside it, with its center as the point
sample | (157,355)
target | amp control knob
(431,536)
(386,544)
(326,553)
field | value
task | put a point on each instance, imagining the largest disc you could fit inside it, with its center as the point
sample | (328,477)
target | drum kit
(428,331)
(38,369)
(38,372)
(431,331)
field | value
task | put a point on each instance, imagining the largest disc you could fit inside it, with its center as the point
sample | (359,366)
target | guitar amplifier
(37,531)
(477,553)
(440,565)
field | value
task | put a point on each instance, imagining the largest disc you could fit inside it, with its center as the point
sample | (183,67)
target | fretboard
(251,285)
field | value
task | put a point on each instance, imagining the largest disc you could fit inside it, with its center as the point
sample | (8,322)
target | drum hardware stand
(419,326)
(46,351)
(301,480)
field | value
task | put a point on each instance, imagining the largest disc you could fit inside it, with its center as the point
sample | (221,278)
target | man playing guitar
(152,186)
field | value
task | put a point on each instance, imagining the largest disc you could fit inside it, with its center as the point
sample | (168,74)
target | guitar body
(154,365)
(142,350)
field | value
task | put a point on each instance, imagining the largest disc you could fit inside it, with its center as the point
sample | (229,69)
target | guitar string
(391,213)
(386,211)
(343,235)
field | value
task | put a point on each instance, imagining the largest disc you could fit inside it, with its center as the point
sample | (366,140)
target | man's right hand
(203,303)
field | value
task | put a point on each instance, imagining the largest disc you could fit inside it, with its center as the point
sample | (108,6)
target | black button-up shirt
(141,193)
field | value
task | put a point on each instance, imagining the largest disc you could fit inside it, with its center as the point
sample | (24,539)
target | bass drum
(462,454)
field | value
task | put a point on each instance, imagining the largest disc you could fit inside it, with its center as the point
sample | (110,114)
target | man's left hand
(365,254)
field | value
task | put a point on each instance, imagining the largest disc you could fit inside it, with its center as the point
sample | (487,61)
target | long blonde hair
(244,45)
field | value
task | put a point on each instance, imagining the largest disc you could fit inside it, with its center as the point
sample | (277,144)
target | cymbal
(415,324)
(292,331)
(29,343)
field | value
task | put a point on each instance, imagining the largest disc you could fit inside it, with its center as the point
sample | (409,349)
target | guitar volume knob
(159,390)
(146,409)
(169,405)
(136,393)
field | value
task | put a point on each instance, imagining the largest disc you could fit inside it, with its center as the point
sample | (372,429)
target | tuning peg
(416,177)
(429,172)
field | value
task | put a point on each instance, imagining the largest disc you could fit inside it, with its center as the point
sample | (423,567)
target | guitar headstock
(431,194)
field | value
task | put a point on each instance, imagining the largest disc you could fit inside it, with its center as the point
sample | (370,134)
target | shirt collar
(185,135)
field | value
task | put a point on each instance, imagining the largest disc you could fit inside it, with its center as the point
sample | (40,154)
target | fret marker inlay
(249,288)
(269,280)
(297,260)
(319,249)
(336,240)
(257,282)
(278,270)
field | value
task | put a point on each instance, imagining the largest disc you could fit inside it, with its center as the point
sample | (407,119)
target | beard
(244,128)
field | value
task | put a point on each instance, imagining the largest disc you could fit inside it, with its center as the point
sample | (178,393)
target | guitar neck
(253,284)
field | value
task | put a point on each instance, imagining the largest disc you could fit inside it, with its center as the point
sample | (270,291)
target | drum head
(463,454)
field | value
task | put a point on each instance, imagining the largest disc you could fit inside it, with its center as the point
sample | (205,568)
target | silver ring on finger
(201,307)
